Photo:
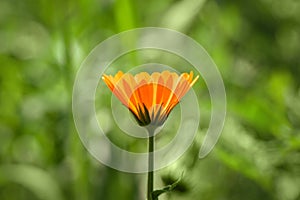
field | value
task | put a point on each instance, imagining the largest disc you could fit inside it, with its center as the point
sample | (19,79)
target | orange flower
(150,98)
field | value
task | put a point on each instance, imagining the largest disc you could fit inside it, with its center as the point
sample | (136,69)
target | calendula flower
(150,98)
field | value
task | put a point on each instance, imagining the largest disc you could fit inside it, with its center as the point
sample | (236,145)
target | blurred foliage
(256,45)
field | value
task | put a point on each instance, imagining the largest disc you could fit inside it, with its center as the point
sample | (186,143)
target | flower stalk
(150,166)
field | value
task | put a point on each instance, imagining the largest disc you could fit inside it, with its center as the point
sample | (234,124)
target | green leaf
(124,14)
(168,188)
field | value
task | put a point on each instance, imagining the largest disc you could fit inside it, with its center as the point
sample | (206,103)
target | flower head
(150,98)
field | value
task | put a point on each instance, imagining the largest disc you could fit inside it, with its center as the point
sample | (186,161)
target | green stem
(150,165)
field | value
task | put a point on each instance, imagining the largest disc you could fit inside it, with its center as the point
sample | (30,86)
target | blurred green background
(255,44)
